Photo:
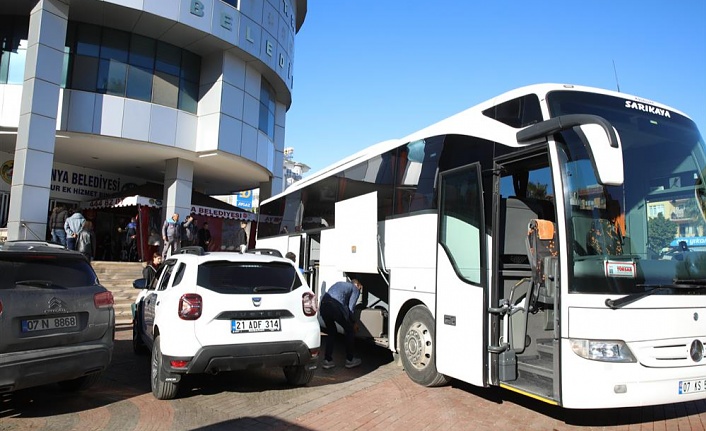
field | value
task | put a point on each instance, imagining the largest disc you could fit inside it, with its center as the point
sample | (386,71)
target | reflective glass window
(111,77)
(16,69)
(142,52)
(165,90)
(84,73)
(116,45)
(139,83)
(88,39)
(266,122)
(188,95)
(4,66)
(190,66)
(168,58)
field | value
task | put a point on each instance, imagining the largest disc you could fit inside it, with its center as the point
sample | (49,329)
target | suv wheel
(161,389)
(81,383)
(298,375)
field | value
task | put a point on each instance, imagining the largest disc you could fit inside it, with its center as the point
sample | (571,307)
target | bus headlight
(602,350)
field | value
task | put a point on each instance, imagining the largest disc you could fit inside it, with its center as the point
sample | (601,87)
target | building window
(266,122)
(115,62)
(233,3)
(109,61)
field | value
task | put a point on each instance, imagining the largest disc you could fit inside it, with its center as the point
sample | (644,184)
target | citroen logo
(696,351)
(56,305)
(256,301)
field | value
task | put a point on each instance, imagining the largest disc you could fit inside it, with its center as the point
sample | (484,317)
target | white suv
(223,311)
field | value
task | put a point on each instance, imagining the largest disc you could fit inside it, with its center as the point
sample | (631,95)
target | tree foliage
(660,232)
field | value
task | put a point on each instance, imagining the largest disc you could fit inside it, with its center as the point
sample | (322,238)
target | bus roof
(470,121)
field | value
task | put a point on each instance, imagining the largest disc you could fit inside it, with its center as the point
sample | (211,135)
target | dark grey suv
(57,323)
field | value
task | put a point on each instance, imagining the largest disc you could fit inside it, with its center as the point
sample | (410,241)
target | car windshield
(45,271)
(248,277)
(649,232)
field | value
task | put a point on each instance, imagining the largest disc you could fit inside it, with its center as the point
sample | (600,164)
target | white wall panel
(41,96)
(39,134)
(203,23)
(252,9)
(187,127)
(10,109)
(264,151)
(229,134)
(249,36)
(207,134)
(210,102)
(225,22)
(136,120)
(234,70)
(251,110)
(81,111)
(163,125)
(232,101)
(108,115)
(164,8)
(249,142)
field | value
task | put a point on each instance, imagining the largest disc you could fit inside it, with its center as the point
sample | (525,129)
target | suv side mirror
(140,283)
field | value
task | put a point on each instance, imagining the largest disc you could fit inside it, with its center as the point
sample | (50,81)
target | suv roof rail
(266,251)
(192,249)
(29,244)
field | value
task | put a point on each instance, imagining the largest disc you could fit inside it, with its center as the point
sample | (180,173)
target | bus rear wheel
(417,348)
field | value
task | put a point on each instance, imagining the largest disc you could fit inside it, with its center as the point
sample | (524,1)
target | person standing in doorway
(72,226)
(203,236)
(171,234)
(241,238)
(86,243)
(338,306)
(188,231)
(56,224)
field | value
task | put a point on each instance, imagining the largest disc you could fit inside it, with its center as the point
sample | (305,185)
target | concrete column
(34,150)
(178,185)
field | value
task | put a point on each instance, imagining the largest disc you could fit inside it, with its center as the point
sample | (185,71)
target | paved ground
(375,396)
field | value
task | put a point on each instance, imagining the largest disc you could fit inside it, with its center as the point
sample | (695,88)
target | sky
(366,71)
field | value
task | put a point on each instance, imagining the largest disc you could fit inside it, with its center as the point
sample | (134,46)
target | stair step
(118,277)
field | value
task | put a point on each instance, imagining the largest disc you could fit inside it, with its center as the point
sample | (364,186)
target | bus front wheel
(417,348)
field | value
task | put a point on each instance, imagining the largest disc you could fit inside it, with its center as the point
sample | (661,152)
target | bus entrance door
(460,278)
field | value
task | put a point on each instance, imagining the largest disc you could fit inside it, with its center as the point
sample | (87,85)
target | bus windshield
(649,233)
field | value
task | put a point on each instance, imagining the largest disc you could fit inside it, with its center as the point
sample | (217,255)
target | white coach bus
(527,243)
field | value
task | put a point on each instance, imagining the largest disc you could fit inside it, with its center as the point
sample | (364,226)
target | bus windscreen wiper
(654,288)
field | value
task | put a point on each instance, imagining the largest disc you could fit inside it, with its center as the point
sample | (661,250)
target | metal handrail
(27,228)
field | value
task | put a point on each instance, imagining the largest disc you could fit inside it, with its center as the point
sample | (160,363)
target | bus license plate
(255,325)
(692,386)
(48,323)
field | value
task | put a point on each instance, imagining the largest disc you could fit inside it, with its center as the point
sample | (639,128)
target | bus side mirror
(598,136)
(606,158)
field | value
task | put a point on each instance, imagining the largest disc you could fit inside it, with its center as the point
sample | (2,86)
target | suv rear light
(103,300)
(190,305)
(309,304)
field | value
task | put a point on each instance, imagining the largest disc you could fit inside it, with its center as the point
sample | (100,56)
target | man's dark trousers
(333,312)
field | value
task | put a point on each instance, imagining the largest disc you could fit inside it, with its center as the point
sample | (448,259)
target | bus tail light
(309,304)
(190,306)
(602,350)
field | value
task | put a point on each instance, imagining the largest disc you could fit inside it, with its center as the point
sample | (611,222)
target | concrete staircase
(118,277)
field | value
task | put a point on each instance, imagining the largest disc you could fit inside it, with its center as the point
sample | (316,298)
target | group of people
(176,235)
(71,229)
